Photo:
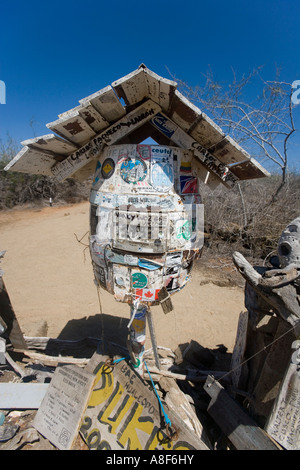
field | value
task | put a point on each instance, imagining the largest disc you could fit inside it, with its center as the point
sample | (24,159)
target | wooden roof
(139,105)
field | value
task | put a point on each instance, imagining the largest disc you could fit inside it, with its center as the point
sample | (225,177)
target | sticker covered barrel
(146,220)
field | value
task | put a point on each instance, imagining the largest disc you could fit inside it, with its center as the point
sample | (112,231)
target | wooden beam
(113,134)
(240,429)
(181,138)
(8,315)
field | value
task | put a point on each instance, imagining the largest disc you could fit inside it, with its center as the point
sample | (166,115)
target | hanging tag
(165,300)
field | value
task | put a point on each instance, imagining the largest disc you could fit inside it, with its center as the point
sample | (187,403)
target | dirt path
(49,278)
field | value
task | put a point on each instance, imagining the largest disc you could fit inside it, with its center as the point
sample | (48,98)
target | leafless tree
(263,123)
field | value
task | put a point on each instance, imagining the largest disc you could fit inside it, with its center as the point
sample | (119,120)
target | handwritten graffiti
(122,414)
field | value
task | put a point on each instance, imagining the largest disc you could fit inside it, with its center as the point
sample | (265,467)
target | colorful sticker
(108,168)
(139,280)
(147,295)
(188,184)
(97,173)
(133,170)
(162,176)
(162,123)
(183,230)
(185,167)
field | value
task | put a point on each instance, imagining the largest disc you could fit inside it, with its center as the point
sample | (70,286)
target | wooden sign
(58,418)
(174,132)
(124,414)
(284,421)
(111,135)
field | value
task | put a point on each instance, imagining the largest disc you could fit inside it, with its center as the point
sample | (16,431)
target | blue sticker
(163,125)
(133,170)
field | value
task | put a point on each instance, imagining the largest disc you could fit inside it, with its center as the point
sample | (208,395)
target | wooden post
(234,422)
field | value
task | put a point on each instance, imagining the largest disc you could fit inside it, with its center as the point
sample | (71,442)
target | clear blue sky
(55,53)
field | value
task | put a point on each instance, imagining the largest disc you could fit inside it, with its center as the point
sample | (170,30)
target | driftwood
(277,291)
(240,429)
(179,403)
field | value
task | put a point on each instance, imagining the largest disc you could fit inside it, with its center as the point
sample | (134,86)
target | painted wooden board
(51,143)
(132,88)
(124,414)
(90,115)
(249,169)
(142,83)
(32,161)
(183,112)
(167,127)
(125,125)
(72,127)
(206,132)
(284,421)
(20,396)
(106,102)
(58,418)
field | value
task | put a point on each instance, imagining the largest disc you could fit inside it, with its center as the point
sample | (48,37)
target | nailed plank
(132,88)
(106,103)
(240,429)
(72,127)
(206,132)
(183,112)
(249,169)
(51,143)
(171,130)
(113,134)
(32,161)
(25,396)
(160,90)
(90,115)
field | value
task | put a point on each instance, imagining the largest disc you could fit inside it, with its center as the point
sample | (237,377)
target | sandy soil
(49,278)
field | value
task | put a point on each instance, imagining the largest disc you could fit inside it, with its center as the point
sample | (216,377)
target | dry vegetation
(248,218)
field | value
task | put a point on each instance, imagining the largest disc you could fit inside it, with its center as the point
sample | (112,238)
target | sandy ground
(49,278)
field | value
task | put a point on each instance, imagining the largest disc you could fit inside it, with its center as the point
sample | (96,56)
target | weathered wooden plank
(90,115)
(249,169)
(284,421)
(72,127)
(59,416)
(178,402)
(106,103)
(183,112)
(167,127)
(113,134)
(25,396)
(32,161)
(51,143)
(206,132)
(239,349)
(240,429)
(124,414)
(160,90)
(8,315)
(132,88)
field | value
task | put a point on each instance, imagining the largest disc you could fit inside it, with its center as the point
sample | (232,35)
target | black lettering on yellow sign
(130,419)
